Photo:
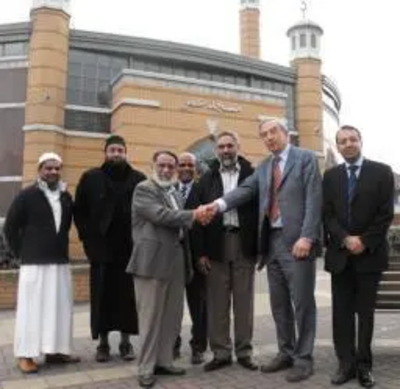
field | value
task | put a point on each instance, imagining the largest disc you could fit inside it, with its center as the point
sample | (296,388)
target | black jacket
(97,200)
(30,228)
(372,213)
(210,240)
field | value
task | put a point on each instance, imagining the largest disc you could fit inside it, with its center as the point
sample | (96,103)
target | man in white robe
(37,228)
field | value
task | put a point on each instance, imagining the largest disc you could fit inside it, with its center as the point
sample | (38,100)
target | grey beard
(163,183)
(228,163)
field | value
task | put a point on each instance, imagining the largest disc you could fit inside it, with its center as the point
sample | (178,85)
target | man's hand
(354,244)
(205,213)
(204,265)
(302,248)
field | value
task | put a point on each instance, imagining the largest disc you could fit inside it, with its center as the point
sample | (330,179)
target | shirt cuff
(221,205)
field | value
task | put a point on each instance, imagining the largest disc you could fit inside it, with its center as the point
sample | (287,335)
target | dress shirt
(358,163)
(230,178)
(188,186)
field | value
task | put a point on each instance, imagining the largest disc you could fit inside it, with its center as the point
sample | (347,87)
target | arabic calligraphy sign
(213,105)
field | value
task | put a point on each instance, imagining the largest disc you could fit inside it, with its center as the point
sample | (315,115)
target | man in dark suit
(196,288)
(228,248)
(288,186)
(358,210)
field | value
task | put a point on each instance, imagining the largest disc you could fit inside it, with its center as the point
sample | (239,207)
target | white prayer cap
(48,157)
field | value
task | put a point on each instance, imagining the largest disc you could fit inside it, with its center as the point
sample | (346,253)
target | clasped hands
(205,213)
(354,244)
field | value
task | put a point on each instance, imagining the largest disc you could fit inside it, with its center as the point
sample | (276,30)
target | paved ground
(119,375)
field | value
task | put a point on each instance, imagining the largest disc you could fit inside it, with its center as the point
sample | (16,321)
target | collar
(42,185)
(358,163)
(187,184)
(235,168)
(284,153)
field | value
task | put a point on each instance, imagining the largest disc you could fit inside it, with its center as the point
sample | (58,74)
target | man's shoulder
(377,166)
(302,153)
(29,190)
(92,173)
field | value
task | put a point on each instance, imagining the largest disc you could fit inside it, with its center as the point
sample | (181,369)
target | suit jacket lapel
(290,162)
(265,179)
(361,180)
(342,184)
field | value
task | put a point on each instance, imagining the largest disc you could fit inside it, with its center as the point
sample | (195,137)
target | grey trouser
(291,288)
(232,278)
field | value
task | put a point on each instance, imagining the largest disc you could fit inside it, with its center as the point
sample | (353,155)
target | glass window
(87,121)
(303,40)
(15,49)
(8,190)
(204,151)
(293,42)
(313,41)
(1,50)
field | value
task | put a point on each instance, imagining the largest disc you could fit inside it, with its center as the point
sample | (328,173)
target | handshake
(205,213)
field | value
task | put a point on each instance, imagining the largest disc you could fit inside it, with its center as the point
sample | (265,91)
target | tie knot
(277,159)
(353,168)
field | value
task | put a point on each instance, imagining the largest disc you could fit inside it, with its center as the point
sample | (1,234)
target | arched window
(204,151)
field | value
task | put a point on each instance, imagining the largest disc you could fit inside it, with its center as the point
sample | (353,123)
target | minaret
(250,28)
(305,39)
(47,80)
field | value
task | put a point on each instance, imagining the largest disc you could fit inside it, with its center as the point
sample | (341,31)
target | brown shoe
(27,365)
(61,358)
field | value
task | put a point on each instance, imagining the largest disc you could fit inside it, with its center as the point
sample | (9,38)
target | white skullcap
(49,156)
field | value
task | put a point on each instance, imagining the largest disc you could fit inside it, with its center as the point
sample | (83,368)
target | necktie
(274,211)
(351,187)
(184,190)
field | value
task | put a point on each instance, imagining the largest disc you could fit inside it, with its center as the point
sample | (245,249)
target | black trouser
(354,294)
(196,300)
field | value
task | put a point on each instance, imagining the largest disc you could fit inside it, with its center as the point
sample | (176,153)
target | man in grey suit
(288,184)
(160,263)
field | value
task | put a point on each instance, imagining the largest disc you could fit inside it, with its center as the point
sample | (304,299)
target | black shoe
(126,351)
(216,364)
(197,358)
(365,378)
(247,363)
(277,364)
(169,370)
(343,375)
(103,353)
(147,380)
(299,373)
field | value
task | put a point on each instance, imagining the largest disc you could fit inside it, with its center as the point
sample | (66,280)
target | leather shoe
(299,373)
(216,364)
(169,370)
(61,358)
(365,378)
(277,364)
(103,353)
(247,363)
(197,358)
(147,380)
(343,375)
(27,365)
(126,351)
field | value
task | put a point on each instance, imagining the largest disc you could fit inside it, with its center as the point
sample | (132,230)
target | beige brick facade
(250,45)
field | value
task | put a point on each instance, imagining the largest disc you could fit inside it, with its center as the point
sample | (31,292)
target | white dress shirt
(230,178)
(358,163)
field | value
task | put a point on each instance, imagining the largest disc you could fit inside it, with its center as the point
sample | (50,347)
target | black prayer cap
(114,140)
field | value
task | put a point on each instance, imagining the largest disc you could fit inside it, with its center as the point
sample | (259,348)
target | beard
(164,183)
(228,161)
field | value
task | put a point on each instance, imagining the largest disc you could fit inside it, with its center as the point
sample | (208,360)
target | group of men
(209,233)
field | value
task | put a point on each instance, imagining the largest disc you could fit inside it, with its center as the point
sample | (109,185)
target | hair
(165,152)
(348,127)
(188,154)
(231,134)
(278,122)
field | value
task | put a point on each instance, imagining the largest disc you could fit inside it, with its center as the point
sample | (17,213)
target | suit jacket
(30,229)
(156,230)
(209,239)
(299,198)
(372,211)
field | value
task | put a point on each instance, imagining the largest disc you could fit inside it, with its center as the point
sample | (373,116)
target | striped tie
(274,211)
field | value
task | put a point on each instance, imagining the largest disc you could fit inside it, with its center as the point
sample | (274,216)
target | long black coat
(372,213)
(210,238)
(96,203)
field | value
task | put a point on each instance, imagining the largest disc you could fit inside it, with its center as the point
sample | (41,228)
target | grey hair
(277,121)
(188,154)
(232,134)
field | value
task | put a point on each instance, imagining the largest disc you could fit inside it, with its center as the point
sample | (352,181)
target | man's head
(274,134)
(186,167)
(349,143)
(49,168)
(115,149)
(227,148)
(165,164)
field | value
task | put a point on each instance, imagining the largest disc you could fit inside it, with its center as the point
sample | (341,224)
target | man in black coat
(358,210)
(103,219)
(196,289)
(227,255)
(36,229)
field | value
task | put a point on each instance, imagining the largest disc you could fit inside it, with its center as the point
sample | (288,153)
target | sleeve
(81,208)
(147,204)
